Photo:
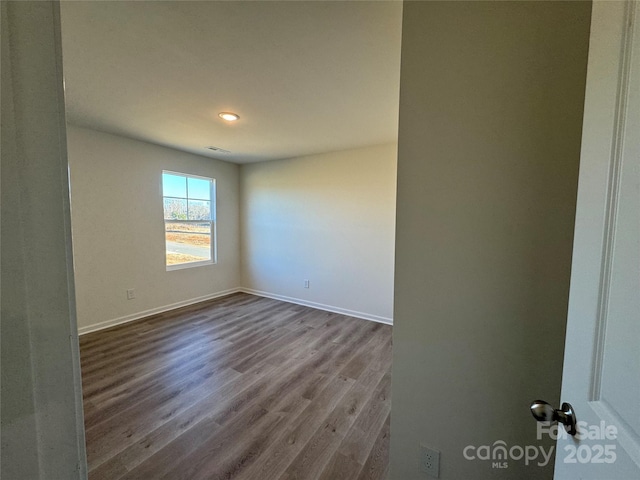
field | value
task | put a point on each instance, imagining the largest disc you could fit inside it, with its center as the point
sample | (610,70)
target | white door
(601,376)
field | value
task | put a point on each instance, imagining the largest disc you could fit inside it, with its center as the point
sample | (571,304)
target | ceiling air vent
(218,149)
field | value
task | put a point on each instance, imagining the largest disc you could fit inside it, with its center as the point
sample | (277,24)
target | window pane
(175,209)
(174,185)
(199,210)
(187,242)
(199,188)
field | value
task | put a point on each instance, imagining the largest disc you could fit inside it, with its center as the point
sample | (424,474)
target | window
(189,220)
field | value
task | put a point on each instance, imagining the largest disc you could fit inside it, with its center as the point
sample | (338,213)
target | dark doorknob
(543,412)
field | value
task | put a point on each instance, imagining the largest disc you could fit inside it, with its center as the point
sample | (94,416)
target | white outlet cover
(430,461)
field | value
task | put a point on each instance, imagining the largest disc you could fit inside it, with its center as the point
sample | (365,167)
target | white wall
(42,425)
(329,218)
(118,228)
(490,122)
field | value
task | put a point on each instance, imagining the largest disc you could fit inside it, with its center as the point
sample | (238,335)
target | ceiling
(305,77)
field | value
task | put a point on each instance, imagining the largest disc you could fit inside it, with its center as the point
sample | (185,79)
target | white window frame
(213,210)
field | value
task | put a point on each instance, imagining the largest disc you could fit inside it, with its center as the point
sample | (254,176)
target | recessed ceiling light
(229,116)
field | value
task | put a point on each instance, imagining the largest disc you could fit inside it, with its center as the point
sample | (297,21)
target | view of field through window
(188,217)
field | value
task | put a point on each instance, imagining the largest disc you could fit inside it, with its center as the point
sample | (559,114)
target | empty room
(335,240)
(233,220)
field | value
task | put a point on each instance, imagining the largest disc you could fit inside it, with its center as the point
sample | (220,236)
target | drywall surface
(118,228)
(490,122)
(42,423)
(326,218)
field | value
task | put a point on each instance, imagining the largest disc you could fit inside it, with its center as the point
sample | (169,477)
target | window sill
(182,266)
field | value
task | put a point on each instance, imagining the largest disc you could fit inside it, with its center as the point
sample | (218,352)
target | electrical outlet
(430,461)
(131,294)
(306,283)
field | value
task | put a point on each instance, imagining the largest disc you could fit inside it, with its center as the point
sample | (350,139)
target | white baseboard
(146,313)
(319,306)
(153,311)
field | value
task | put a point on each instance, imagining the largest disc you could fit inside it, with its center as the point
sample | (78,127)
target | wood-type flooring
(240,387)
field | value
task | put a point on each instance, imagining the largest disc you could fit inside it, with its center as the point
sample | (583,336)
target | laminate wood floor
(240,387)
